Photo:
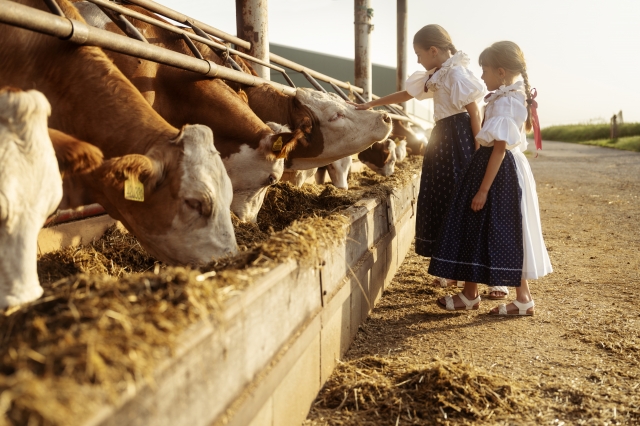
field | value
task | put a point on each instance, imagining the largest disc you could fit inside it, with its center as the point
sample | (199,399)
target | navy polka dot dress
(485,246)
(449,151)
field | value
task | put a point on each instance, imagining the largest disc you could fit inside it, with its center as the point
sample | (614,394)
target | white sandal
(501,289)
(523,309)
(468,304)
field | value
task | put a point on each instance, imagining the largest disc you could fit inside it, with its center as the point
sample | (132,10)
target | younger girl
(454,90)
(492,231)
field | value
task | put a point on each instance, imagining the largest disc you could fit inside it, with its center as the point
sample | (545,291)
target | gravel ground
(577,361)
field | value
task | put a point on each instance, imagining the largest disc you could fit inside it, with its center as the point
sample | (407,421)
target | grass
(629,143)
(587,132)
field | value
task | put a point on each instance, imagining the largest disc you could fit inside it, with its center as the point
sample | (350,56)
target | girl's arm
(476,121)
(499,148)
(394,98)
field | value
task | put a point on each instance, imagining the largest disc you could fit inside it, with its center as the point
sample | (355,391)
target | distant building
(384,77)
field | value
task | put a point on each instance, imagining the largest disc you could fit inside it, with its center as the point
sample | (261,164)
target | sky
(583,56)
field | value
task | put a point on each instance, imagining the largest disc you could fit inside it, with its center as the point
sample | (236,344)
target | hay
(373,390)
(110,313)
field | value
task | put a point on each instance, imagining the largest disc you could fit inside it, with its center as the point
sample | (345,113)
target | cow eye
(272,180)
(194,204)
(336,116)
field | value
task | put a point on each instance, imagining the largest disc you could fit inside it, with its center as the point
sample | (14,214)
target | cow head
(415,142)
(30,190)
(401,148)
(252,171)
(380,157)
(333,129)
(339,172)
(185,217)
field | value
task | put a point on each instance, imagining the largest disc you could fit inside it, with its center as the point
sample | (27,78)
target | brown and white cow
(185,217)
(30,187)
(401,149)
(245,142)
(380,157)
(416,144)
(338,172)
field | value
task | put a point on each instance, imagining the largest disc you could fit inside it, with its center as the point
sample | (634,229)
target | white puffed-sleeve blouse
(504,117)
(452,86)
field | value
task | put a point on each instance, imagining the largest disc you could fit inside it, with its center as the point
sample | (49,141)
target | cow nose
(386,118)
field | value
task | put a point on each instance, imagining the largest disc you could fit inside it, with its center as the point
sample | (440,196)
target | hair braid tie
(534,118)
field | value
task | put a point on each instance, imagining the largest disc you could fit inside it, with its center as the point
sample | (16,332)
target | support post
(252,23)
(401,67)
(363,27)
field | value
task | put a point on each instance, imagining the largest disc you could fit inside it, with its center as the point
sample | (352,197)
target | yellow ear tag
(277,145)
(133,189)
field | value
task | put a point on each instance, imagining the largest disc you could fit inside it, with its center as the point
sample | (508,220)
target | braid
(527,89)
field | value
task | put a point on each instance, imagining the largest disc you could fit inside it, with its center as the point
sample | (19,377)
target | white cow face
(401,149)
(30,190)
(339,172)
(344,131)
(185,217)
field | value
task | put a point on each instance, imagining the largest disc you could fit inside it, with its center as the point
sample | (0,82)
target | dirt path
(577,361)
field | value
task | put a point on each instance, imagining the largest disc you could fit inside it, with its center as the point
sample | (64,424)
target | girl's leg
(523,295)
(470,291)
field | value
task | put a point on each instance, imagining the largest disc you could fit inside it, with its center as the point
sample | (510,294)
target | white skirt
(536,259)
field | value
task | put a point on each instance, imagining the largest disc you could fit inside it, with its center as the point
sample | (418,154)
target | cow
(417,145)
(401,149)
(30,186)
(245,142)
(380,157)
(178,194)
(338,172)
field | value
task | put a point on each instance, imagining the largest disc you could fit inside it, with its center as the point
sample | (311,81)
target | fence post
(401,67)
(363,27)
(252,24)
(614,127)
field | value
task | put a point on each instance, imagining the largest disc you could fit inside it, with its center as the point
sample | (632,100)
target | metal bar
(122,23)
(78,32)
(252,23)
(199,35)
(286,77)
(401,45)
(54,7)
(192,47)
(313,81)
(339,92)
(363,27)
(184,19)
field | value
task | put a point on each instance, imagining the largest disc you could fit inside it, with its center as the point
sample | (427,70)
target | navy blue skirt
(484,246)
(449,151)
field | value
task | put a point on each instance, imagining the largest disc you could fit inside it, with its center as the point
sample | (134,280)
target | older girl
(454,90)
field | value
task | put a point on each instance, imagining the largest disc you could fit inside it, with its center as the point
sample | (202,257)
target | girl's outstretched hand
(360,106)
(478,201)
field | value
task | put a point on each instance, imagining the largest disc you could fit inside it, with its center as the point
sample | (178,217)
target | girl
(492,231)
(454,90)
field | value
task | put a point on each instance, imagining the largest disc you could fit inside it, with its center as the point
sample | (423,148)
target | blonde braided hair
(508,56)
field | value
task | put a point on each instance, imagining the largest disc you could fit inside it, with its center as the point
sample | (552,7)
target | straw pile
(373,391)
(110,312)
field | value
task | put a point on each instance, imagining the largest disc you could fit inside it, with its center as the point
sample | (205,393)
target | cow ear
(281,144)
(115,171)
(74,155)
(243,96)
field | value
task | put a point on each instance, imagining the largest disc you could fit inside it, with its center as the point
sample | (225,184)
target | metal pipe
(192,47)
(54,7)
(363,27)
(122,23)
(199,35)
(339,92)
(36,20)
(184,19)
(286,77)
(313,81)
(252,23)
(401,46)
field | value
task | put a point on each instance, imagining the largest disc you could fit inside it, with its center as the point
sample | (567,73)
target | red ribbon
(534,119)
